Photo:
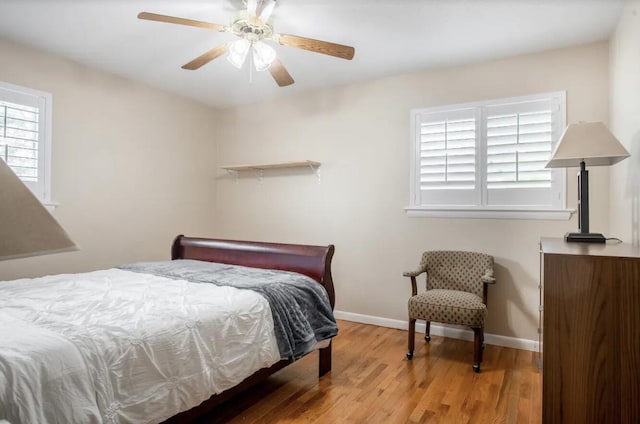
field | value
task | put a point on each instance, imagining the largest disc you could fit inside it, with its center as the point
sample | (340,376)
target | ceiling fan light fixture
(263,56)
(238,52)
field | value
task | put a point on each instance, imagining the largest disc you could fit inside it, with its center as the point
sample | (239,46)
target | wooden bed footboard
(313,261)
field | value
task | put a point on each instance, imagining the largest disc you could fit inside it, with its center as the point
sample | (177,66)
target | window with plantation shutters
(447,156)
(24,135)
(19,139)
(518,146)
(489,157)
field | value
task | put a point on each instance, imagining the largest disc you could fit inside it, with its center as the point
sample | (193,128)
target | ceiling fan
(253,29)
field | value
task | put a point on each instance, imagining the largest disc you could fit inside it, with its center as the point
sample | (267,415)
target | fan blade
(180,21)
(202,60)
(280,73)
(324,47)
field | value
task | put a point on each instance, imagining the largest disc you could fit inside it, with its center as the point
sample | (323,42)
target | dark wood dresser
(590,332)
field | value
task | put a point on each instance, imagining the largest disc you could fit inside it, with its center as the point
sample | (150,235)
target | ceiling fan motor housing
(251,28)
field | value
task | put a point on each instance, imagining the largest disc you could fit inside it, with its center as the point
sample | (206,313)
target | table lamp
(582,144)
(26,227)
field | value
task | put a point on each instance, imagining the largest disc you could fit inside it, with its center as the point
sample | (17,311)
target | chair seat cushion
(449,307)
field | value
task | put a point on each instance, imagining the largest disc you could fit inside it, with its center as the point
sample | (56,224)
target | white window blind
(447,152)
(25,116)
(518,147)
(19,139)
(489,154)
(520,136)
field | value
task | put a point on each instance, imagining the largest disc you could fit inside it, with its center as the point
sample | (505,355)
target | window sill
(488,213)
(50,206)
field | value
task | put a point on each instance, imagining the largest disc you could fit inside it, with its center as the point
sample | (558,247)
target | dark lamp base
(585,237)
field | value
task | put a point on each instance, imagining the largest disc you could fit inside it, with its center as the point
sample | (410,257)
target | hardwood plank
(373,382)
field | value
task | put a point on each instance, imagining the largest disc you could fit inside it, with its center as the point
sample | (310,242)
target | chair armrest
(488,278)
(413,273)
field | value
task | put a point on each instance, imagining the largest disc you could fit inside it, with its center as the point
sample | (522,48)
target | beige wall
(131,167)
(360,133)
(625,124)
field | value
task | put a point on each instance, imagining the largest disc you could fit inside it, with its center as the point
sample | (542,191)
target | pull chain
(250,63)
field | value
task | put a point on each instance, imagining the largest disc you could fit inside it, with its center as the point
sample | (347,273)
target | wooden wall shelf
(305,163)
(260,168)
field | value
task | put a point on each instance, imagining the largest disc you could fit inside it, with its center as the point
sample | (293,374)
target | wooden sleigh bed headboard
(313,261)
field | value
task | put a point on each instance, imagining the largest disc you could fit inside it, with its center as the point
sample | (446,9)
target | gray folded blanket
(302,314)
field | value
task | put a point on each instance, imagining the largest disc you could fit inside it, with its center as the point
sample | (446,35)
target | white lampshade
(591,142)
(263,56)
(26,227)
(238,52)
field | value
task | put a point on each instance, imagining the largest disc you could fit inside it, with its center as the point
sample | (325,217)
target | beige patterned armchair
(456,294)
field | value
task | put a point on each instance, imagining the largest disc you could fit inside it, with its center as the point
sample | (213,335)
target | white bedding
(115,346)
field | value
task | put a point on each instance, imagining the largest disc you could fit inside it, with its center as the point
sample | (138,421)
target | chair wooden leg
(478,337)
(427,333)
(412,337)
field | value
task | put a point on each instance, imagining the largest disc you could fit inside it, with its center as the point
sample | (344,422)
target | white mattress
(115,346)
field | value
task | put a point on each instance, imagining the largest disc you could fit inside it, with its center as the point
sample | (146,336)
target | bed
(121,342)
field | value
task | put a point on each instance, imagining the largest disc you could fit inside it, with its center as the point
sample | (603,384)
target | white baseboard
(440,330)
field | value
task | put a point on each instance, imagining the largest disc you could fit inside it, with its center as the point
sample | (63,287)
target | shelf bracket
(315,170)
(260,175)
(234,173)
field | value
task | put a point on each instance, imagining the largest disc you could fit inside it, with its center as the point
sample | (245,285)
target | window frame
(41,189)
(481,209)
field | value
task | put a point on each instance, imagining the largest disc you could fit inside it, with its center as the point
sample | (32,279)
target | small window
(488,159)
(25,136)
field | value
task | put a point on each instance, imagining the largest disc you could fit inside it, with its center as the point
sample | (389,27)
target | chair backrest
(456,270)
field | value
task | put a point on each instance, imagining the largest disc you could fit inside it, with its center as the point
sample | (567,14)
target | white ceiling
(391,37)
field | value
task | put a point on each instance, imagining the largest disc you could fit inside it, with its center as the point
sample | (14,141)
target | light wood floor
(372,382)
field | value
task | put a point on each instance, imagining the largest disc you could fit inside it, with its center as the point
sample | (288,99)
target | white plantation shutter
(488,155)
(447,156)
(19,139)
(519,139)
(518,147)
(23,135)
